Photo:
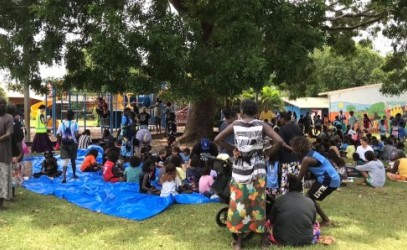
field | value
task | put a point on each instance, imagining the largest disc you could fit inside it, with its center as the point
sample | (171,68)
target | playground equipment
(35,107)
(83,104)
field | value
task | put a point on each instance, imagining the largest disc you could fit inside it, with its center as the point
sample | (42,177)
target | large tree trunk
(200,121)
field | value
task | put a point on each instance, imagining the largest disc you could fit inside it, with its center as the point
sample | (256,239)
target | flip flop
(326,240)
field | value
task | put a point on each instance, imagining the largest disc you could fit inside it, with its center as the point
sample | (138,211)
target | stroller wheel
(221,217)
(245,236)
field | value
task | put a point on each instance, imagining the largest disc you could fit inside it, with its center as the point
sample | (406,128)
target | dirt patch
(159,140)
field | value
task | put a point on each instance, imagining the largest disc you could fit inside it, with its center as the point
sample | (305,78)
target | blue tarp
(91,192)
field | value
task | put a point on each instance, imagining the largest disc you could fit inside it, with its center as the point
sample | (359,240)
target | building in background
(303,105)
(365,100)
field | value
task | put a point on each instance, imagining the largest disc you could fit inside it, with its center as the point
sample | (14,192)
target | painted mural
(367,100)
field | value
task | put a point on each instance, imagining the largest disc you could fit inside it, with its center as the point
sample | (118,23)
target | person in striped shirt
(84,140)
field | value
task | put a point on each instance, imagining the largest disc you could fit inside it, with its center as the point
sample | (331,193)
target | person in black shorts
(327,179)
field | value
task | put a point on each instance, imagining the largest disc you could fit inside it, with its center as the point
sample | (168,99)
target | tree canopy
(333,71)
(197,50)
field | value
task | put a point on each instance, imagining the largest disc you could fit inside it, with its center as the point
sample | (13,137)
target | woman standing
(247,205)
(41,142)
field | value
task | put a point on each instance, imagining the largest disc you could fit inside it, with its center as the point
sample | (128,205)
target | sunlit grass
(364,218)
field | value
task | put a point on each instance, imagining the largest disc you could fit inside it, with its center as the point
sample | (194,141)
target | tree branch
(355,15)
(362,24)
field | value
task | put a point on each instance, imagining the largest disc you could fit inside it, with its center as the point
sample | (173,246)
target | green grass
(364,218)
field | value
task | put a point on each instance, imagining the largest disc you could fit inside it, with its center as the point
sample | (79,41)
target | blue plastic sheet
(91,192)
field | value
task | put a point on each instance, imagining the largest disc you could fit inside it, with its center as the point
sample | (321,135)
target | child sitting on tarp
(133,173)
(89,164)
(146,177)
(193,174)
(170,181)
(111,172)
(49,166)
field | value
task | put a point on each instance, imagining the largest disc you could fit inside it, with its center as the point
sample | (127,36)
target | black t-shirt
(144,118)
(287,132)
(50,167)
(197,150)
(293,216)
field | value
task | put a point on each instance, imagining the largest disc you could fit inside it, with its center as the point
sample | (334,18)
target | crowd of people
(273,161)
(319,165)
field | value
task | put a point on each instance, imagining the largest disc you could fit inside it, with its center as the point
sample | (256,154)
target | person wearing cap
(41,142)
(204,146)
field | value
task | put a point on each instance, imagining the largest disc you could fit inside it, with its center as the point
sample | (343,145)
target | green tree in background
(3,94)
(269,95)
(332,71)
(200,51)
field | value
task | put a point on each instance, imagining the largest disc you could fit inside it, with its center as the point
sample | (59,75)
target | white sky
(380,44)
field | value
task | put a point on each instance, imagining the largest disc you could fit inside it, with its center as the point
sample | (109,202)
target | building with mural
(365,100)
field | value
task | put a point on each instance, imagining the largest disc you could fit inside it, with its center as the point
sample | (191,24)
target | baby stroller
(221,187)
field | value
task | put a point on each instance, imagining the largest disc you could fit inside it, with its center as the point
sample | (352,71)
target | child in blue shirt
(132,173)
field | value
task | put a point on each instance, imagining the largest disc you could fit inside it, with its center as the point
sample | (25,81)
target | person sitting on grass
(206,181)
(49,166)
(170,181)
(399,170)
(112,173)
(327,179)
(132,173)
(90,164)
(146,177)
(357,159)
(338,163)
(363,148)
(293,216)
(373,171)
